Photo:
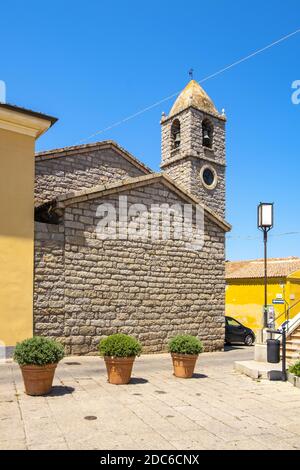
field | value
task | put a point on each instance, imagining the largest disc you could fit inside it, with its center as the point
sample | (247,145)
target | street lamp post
(265,214)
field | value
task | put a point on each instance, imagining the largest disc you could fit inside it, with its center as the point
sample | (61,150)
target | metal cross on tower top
(191,74)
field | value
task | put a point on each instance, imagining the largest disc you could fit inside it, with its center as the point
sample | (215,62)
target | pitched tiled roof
(60,202)
(253,269)
(84,148)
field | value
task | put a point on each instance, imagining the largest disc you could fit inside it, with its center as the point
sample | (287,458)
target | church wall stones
(49,277)
(184,163)
(56,175)
(87,288)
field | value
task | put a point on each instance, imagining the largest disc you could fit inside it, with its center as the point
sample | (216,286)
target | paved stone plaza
(217,409)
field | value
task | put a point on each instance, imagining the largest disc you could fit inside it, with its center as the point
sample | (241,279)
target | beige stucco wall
(16,235)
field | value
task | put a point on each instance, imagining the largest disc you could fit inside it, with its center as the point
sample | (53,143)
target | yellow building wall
(16,236)
(293,289)
(245,300)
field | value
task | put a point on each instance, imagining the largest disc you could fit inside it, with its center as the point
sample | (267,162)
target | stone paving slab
(217,409)
(259,370)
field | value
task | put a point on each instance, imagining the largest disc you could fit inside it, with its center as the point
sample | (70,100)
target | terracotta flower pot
(38,379)
(119,369)
(184,364)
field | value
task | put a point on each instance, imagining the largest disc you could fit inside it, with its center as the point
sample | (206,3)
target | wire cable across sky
(250,237)
(167,98)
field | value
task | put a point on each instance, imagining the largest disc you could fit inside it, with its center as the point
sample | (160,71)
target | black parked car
(235,332)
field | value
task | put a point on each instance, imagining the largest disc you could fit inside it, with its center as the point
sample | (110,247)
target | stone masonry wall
(191,137)
(62,174)
(49,278)
(213,198)
(184,164)
(167,151)
(151,289)
(217,153)
(181,173)
(187,173)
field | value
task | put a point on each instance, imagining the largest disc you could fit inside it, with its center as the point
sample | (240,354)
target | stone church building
(86,286)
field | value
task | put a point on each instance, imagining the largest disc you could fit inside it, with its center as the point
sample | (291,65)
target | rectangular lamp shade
(265,215)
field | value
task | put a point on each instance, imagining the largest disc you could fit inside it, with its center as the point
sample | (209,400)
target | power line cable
(250,237)
(215,74)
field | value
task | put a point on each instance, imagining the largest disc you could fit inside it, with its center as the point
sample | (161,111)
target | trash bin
(273,351)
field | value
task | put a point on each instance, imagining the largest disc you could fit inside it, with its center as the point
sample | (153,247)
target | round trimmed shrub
(38,351)
(185,344)
(119,345)
(295,369)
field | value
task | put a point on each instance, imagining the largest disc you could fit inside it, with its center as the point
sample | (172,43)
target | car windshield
(232,322)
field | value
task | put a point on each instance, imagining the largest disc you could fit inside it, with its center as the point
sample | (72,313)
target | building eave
(24,121)
(85,148)
(166,119)
(63,201)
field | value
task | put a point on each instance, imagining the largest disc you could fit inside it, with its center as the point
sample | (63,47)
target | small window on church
(207,134)
(175,134)
(209,177)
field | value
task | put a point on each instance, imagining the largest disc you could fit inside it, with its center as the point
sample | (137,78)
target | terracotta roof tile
(253,269)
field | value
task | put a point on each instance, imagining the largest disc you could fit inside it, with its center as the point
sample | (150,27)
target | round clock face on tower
(209,177)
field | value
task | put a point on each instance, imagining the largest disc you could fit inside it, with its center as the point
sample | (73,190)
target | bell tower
(193,146)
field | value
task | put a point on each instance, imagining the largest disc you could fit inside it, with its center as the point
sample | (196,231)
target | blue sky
(94,63)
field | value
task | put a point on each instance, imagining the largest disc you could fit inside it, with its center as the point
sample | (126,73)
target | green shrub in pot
(119,345)
(295,369)
(184,350)
(119,353)
(38,358)
(185,344)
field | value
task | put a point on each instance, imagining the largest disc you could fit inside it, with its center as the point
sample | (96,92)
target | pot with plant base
(184,350)
(119,352)
(294,374)
(38,358)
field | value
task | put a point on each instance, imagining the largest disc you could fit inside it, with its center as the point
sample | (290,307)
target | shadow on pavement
(236,347)
(138,380)
(199,376)
(60,390)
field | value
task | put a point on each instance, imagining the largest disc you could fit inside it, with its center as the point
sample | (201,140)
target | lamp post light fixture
(265,220)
